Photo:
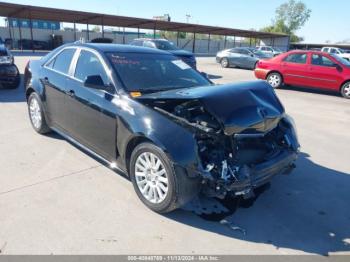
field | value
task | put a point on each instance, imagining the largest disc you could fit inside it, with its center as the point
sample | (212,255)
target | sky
(327,21)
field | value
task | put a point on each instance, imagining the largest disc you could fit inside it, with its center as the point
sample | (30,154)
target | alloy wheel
(274,80)
(224,62)
(346,90)
(151,177)
(35,113)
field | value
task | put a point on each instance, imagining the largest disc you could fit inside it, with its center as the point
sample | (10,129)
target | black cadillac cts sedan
(147,113)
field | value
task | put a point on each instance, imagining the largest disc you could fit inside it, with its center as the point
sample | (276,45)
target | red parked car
(307,68)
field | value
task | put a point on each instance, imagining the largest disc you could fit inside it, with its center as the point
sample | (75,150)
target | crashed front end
(237,164)
(243,135)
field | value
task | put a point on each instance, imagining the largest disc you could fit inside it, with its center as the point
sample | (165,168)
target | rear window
(296,58)
(62,61)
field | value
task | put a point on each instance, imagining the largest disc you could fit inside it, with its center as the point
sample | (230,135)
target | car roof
(151,39)
(102,47)
(307,51)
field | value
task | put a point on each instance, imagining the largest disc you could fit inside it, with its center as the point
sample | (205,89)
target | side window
(321,60)
(334,51)
(326,50)
(244,52)
(136,43)
(88,64)
(234,51)
(63,60)
(149,44)
(296,58)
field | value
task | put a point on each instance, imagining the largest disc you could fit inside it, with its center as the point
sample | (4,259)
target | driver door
(324,72)
(92,124)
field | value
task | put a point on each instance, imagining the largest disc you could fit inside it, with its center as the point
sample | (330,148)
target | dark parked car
(150,115)
(168,46)
(37,45)
(242,57)
(9,74)
(102,40)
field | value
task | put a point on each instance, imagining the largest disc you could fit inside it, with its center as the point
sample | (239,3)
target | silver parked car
(242,57)
(269,50)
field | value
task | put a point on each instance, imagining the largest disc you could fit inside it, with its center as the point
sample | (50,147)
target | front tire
(275,80)
(36,114)
(345,90)
(155,181)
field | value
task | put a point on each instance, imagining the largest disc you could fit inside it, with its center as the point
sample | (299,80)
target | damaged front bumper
(251,161)
(249,178)
(253,177)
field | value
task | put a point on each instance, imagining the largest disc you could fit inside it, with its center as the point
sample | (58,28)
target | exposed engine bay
(238,150)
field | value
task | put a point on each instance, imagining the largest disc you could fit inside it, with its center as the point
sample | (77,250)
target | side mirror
(94,82)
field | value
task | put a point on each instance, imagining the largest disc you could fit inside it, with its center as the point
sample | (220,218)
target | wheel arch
(274,71)
(29,91)
(131,145)
(343,83)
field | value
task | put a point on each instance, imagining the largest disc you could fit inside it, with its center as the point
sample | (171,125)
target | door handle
(71,93)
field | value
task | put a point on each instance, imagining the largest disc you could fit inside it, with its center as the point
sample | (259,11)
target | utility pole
(188,18)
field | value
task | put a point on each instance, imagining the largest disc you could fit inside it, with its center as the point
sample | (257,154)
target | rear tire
(155,181)
(36,114)
(225,63)
(275,80)
(345,90)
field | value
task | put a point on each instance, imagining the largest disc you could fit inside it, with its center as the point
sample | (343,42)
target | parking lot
(55,199)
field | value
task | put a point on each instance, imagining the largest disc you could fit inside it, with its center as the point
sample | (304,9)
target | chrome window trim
(74,61)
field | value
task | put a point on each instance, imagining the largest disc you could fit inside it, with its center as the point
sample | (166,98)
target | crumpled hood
(243,107)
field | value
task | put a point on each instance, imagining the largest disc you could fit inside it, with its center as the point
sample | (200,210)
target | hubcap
(35,112)
(151,177)
(224,62)
(347,90)
(274,80)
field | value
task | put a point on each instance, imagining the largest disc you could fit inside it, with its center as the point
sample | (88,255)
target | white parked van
(338,51)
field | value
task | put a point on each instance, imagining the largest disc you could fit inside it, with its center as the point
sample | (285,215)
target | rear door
(54,78)
(324,72)
(234,55)
(295,70)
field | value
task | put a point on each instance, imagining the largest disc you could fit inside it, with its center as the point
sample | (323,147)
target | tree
(290,17)
(96,29)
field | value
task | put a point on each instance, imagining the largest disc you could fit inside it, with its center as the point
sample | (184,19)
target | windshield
(165,45)
(277,49)
(154,72)
(341,60)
